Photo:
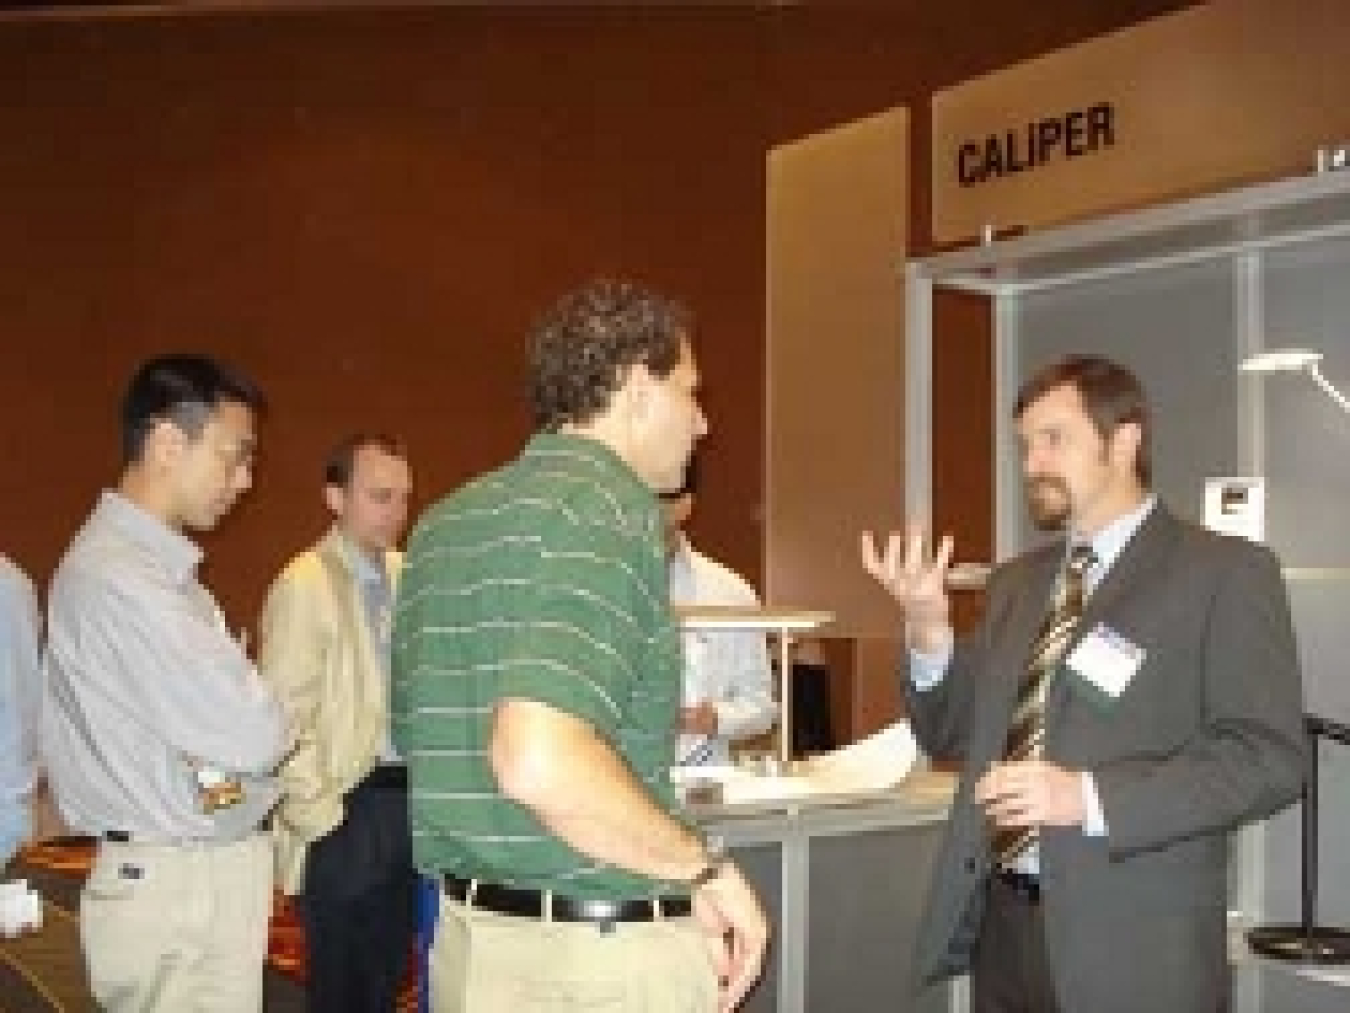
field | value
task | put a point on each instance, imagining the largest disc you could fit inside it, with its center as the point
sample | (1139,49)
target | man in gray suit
(1171,715)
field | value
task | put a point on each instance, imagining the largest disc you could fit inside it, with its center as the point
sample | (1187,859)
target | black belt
(510,900)
(1025,885)
(386,775)
(127,837)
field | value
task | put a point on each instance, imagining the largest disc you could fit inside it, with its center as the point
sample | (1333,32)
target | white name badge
(1106,660)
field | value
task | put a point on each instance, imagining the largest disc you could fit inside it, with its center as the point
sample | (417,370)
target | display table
(843,879)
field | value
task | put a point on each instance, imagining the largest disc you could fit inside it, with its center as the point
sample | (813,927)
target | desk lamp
(1307,941)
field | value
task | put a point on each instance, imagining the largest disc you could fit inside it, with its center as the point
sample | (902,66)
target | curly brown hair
(584,346)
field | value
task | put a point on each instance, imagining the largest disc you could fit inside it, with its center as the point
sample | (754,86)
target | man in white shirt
(727,683)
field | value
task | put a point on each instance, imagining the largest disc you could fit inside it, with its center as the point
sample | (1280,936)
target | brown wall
(366,208)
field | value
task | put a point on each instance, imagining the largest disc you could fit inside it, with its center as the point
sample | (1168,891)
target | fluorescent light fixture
(1295,360)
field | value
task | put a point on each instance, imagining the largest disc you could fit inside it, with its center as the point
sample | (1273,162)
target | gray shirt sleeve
(171,665)
(19,694)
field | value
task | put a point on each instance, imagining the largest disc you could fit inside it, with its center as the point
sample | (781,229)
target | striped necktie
(1026,730)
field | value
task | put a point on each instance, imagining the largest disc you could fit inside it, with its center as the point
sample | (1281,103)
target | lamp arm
(1329,387)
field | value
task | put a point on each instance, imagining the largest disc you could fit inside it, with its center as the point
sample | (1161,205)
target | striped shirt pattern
(544,580)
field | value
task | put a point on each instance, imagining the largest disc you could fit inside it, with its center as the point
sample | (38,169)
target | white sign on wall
(1236,506)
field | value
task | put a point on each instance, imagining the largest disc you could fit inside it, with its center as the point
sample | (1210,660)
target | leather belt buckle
(539,904)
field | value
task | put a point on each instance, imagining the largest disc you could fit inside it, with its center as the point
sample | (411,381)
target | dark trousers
(357,902)
(1009,971)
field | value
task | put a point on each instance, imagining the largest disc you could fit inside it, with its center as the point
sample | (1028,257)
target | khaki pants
(488,963)
(178,928)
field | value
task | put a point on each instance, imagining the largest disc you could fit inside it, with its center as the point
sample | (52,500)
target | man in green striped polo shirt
(537,691)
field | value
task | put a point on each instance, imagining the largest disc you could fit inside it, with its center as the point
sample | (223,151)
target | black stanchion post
(1307,941)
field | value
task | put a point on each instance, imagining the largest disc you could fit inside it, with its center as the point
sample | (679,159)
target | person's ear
(635,395)
(165,444)
(1126,440)
(335,497)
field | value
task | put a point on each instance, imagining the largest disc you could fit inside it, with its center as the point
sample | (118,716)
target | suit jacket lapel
(1148,548)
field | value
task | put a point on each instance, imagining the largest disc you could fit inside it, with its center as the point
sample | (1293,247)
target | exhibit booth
(1184,295)
(1174,196)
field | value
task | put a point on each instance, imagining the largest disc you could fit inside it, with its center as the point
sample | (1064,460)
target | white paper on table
(875,763)
(869,765)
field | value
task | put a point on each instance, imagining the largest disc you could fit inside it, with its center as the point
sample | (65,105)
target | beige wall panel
(875,700)
(837,208)
(1205,99)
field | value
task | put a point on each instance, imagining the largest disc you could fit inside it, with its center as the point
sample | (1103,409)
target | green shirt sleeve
(572,631)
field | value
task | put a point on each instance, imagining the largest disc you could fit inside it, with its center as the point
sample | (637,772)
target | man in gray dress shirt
(158,735)
(18,711)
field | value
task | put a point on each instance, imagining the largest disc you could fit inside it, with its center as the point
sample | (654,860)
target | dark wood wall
(366,208)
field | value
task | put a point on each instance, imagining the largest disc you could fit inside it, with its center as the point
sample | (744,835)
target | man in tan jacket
(342,831)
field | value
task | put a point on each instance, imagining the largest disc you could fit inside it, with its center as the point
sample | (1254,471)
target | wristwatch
(717,857)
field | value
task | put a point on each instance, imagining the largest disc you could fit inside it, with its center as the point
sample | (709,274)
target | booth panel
(1333,895)
(1307,305)
(762,866)
(843,879)
(1284,992)
(1321,607)
(866,895)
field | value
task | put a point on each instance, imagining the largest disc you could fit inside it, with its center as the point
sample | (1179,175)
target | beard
(1048,502)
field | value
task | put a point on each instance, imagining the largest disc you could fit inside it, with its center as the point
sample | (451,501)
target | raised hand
(917,579)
